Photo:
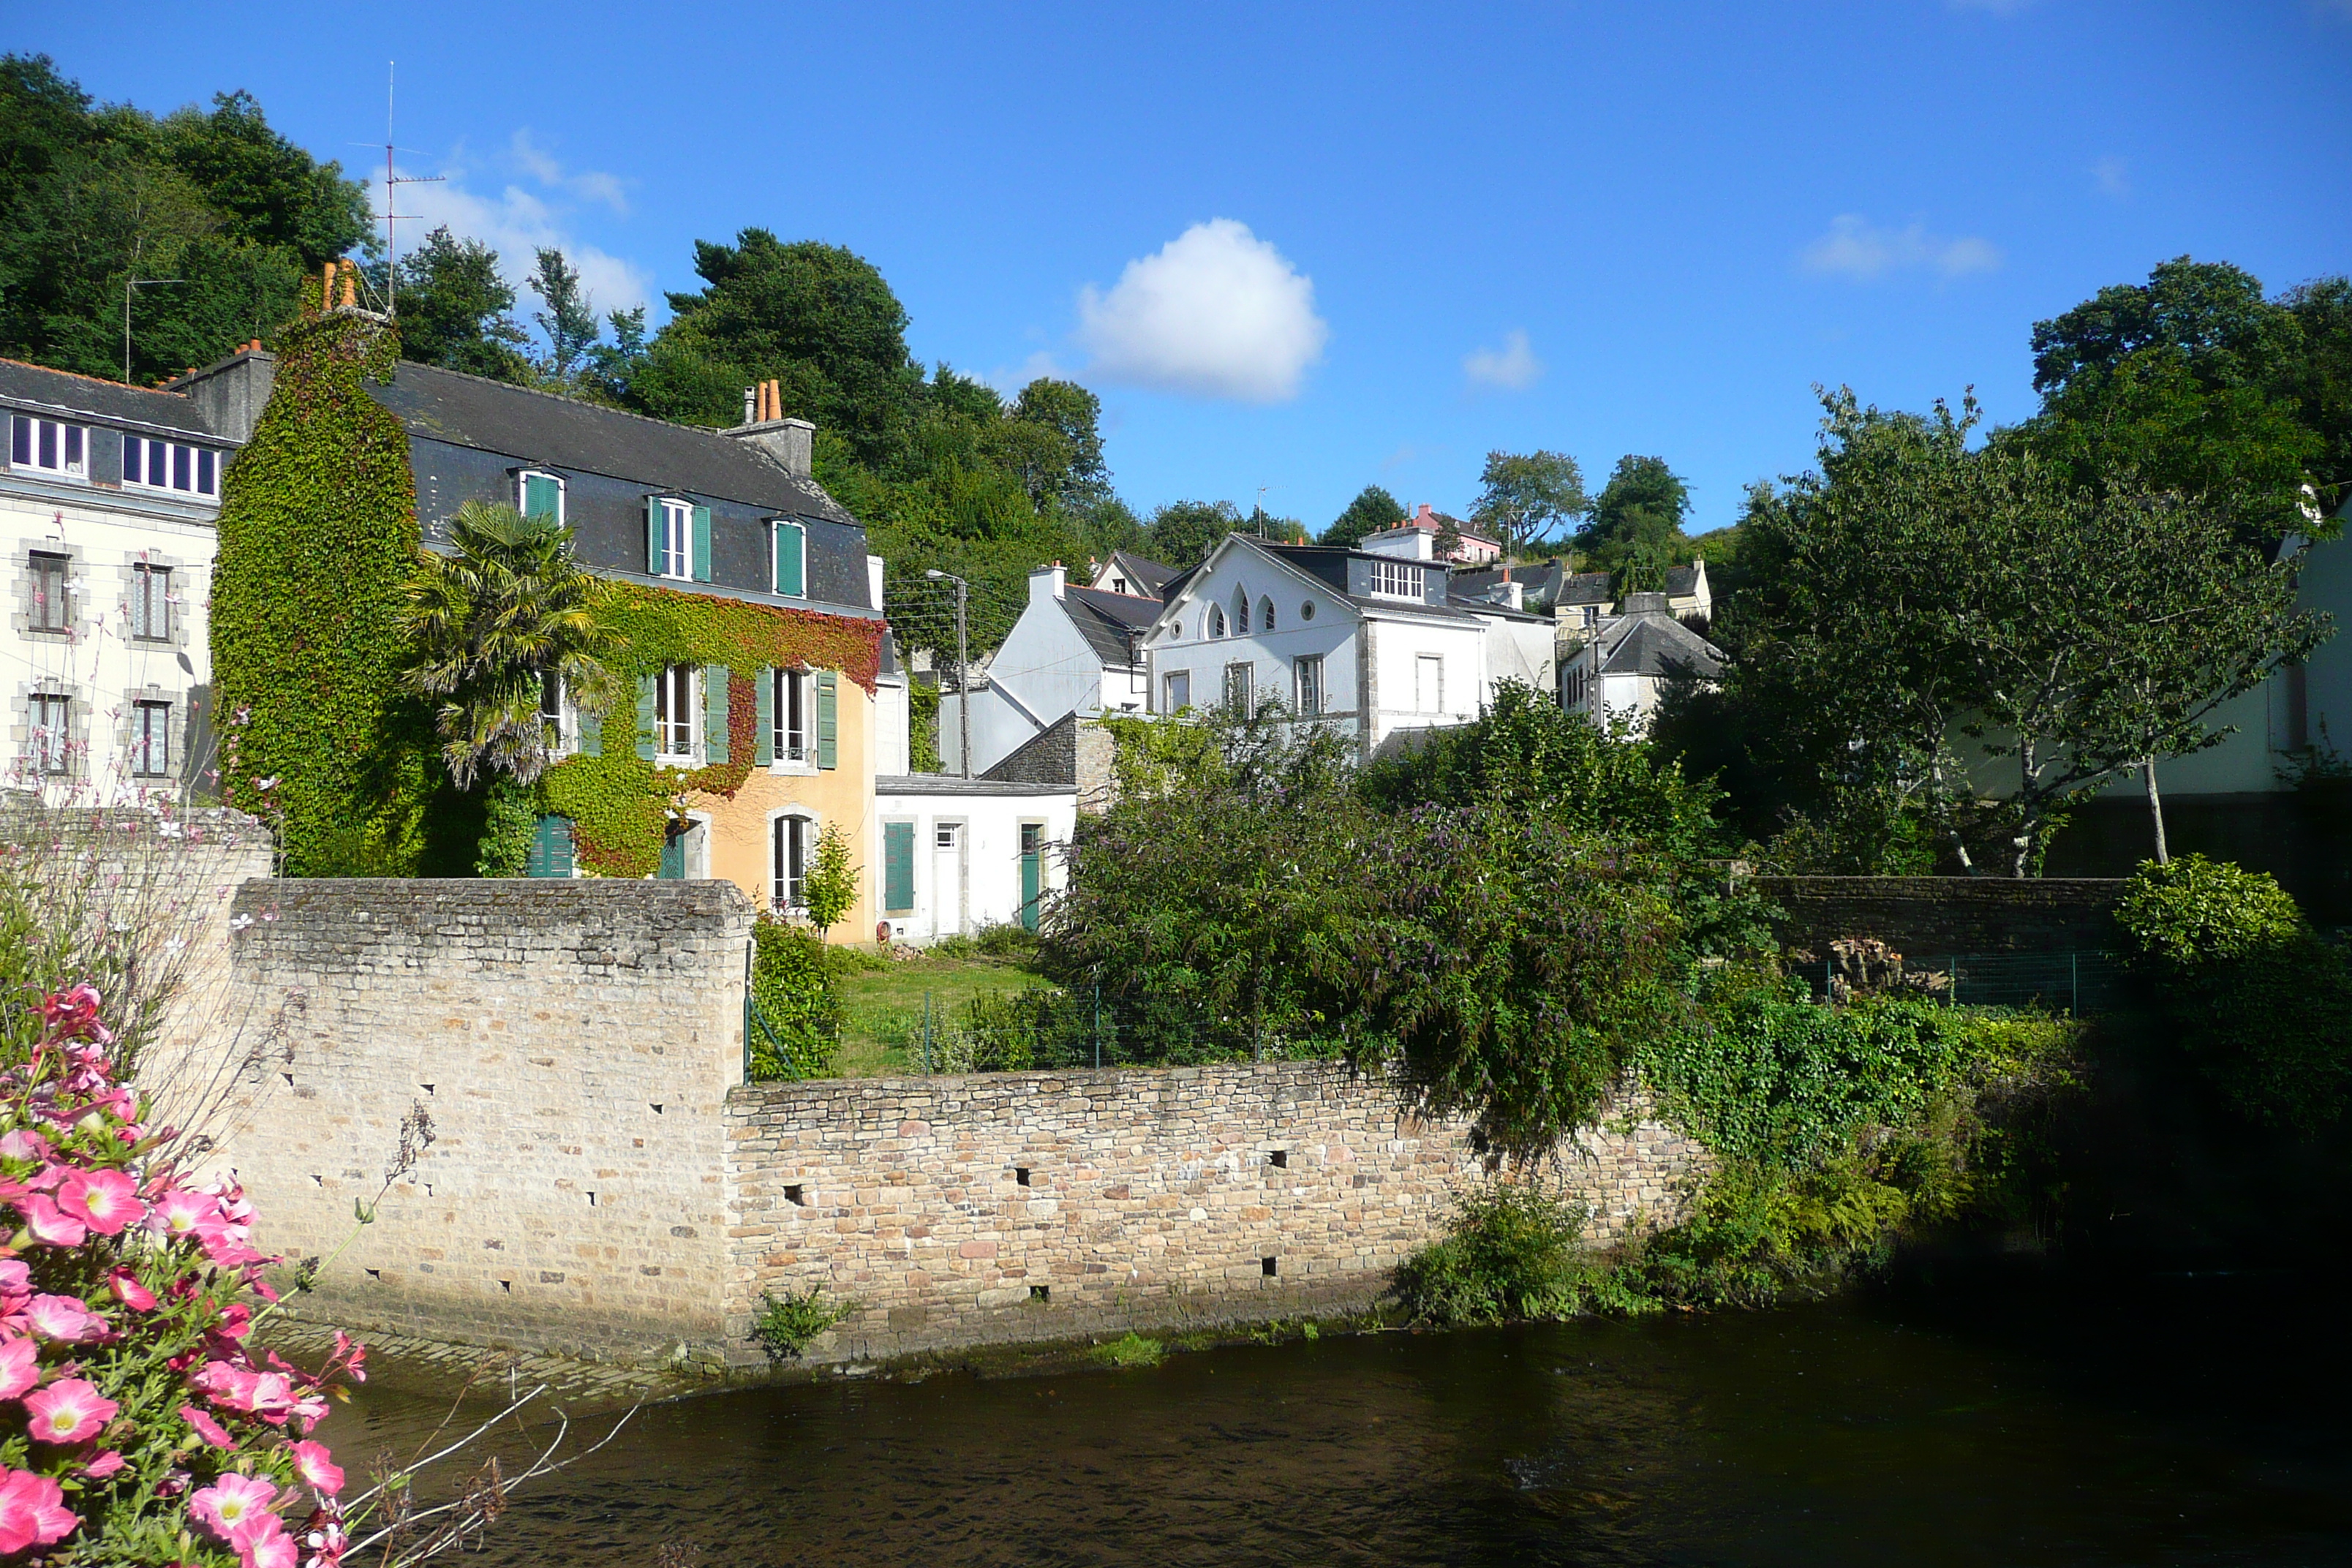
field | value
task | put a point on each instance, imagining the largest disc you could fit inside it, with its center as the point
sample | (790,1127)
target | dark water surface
(2180,1420)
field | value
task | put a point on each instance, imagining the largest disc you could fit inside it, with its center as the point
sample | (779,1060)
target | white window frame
(1240,691)
(791,834)
(1213,626)
(204,466)
(1398,580)
(151,732)
(948,835)
(563,497)
(776,528)
(1170,683)
(25,436)
(1427,664)
(678,541)
(794,688)
(1306,682)
(676,684)
(565,716)
(151,602)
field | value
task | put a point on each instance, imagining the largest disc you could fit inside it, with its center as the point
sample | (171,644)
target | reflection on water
(2188,1421)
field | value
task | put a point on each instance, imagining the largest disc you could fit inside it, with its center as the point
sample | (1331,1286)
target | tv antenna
(393,181)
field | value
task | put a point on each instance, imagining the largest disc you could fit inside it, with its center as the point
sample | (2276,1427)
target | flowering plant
(137,1423)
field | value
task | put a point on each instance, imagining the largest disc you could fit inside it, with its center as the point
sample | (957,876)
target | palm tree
(488,625)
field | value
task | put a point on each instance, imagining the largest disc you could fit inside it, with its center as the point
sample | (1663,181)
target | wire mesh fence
(2075,984)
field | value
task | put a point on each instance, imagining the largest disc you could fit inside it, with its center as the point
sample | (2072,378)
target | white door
(947,879)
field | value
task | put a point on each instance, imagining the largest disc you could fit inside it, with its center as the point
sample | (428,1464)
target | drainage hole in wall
(796,1195)
(320,1180)
(1041,1292)
(657,1110)
(592,1200)
(508,1286)
(1021,1174)
(375,1274)
(289,1078)
(428,1189)
(1279,1158)
(1266,1266)
(426,1087)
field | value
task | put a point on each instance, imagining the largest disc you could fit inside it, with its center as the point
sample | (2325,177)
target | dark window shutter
(714,713)
(654,536)
(702,545)
(645,716)
(828,720)
(792,559)
(897,866)
(764,725)
(550,848)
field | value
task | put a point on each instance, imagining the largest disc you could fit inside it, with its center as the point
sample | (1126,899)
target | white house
(1371,643)
(960,854)
(1474,547)
(1074,650)
(1621,669)
(110,502)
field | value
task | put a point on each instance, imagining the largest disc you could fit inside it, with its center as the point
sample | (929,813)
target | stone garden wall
(1928,918)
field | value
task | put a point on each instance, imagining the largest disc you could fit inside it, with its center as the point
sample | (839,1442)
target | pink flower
(73,1014)
(32,1512)
(233,1505)
(16,1278)
(266,1544)
(316,1466)
(20,1366)
(23,1143)
(130,1292)
(327,1542)
(64,1319)
(177,1212)
(69,1410)
(103,1465)
(47,1224)
(210,1430)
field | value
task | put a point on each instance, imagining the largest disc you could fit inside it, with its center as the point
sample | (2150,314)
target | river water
(2182,1419)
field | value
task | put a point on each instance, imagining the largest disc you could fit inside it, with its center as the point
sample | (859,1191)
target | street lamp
(964,687)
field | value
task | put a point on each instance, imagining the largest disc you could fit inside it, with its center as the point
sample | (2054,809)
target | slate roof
(566,433)
(33,385)
(1539,581)
(1152,576)
(1103,619)
(1327,564)
(1655,644)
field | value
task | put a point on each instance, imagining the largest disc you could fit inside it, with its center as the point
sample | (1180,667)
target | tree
(2319,379)
(570,320)
(489,626)
(453,306)
(1373,510)
(831,885)
(1524,498)
(1073,414)
(1635,528)
(1184,532)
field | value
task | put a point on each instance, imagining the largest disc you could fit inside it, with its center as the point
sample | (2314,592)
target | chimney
(1635,603)
(1515,595)
(873,579)
(749,394)
(1046,583)
(789,444)
(1425,518)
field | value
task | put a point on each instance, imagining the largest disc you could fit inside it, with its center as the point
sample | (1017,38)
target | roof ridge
(93,380)
(711,430)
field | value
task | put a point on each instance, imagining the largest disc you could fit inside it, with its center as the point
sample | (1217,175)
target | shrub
(2193,912)
(1006,939)
(796,1031)
(1131,1349)
(788,1324)
(1511,1256)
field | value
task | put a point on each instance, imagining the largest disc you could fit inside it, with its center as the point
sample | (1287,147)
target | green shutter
(550,848)
(653,536)
(702,545)
(645,716)
(897,866)
(541,497)
(714,713)
(829,721)
(792,559)
(763,723)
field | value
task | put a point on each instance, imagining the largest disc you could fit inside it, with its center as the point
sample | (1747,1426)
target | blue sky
(1310,247)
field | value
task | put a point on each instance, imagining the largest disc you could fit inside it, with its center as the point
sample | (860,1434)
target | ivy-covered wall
(318,538)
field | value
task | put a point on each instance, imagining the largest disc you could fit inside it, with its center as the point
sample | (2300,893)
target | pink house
(1474,549)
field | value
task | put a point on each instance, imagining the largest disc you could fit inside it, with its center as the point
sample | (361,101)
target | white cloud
(1513,367)
(1009,383)
(2115,175)
(590,184)
(1216,313)
(1855,247)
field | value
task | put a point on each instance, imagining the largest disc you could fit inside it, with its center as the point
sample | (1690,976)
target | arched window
(1265,615)
(1241,612)
(795,847)
(1216,622)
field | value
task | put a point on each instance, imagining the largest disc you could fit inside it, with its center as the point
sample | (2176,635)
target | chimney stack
(748,395)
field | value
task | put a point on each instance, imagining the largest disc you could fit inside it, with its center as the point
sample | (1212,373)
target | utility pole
(964,680)
(128,284)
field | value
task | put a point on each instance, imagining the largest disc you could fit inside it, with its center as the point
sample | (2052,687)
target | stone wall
(572,1044)
(1015,1207)
(1926,918)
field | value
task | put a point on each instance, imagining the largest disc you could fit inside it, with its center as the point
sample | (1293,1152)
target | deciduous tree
(1524,497)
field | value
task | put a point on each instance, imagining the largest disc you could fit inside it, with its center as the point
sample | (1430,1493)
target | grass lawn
(883,1033)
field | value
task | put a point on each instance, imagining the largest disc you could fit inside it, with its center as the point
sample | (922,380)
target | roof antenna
(392,181)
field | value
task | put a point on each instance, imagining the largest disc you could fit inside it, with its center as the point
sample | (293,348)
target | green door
(673,861)
(1032,871)
(550,848)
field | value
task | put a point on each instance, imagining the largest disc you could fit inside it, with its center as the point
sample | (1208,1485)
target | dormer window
(678,539)
(788,558)
(540,494)
(169,466)
(1397,579)
(47,446)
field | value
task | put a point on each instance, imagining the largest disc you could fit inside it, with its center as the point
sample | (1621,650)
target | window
(1429,684)
(1237,690)
(796,840)
(52,592)
(944,834)
(1397,579)
(151,603)
(1176,691)
(52,719)
(1241,614)
(151,740)
(1118,585)
(794,712)
(1265,615)
(1216,622)
(540,495)
(1307,611)
(47,446)
(789,547)
(673,713)
(1308,674)
(1591,614)
(169,466)
(677,540)
(551,707)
